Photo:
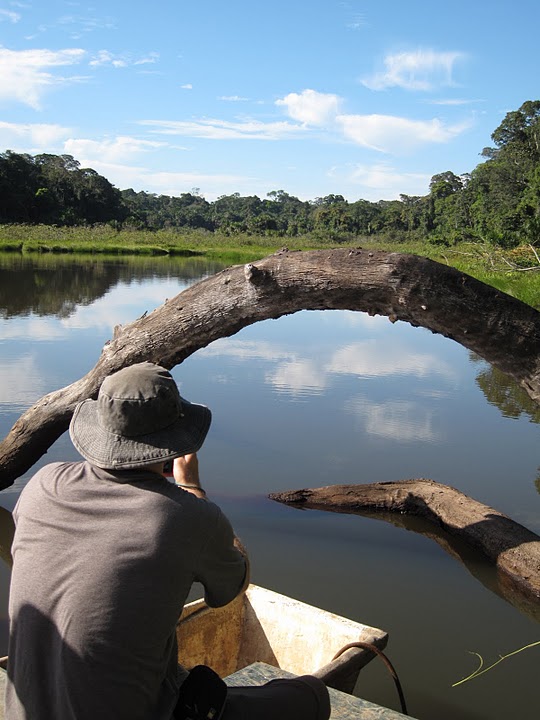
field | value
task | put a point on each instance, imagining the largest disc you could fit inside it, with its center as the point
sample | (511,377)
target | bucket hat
(139,418)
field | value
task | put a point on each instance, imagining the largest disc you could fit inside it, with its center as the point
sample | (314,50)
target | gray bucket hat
(139,418)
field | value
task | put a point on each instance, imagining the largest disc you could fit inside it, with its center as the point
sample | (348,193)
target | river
(313,399)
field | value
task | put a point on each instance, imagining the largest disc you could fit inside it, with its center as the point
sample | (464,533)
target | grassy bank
(106,240)
(516,272)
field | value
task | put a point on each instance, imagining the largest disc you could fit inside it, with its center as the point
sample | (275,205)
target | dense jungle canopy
(497,202)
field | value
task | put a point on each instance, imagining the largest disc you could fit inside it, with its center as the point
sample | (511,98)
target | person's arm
(186,474)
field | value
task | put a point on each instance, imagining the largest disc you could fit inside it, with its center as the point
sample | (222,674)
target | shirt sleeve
(222,567)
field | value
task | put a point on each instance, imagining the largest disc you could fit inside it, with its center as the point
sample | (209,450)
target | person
(105,553)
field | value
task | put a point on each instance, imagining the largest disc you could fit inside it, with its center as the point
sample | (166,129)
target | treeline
(498,202)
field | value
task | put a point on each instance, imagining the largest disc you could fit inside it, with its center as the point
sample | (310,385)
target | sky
(359,98)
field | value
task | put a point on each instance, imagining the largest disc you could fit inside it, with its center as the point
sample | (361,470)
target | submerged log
(514,550)
(413,289)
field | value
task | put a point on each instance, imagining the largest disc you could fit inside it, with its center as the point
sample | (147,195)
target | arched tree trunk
(502,330)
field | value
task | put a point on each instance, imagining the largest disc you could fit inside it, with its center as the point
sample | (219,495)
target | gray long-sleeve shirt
(103,563)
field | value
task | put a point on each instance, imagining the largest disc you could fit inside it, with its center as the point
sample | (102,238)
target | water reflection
(21,382)
(315,399)
(58,284)
(300,374)
(504,393)
(402,421)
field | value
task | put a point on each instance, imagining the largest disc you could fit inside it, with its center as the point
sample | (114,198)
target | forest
(497,203)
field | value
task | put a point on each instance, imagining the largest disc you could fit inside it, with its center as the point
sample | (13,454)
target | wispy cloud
(398,135)
(25,75)
(187,86)
(381,181)
(233,98)
(9,15)
(105,57)
(126,175)
(33,136)
(77,26)
(452,101)
(149,59)
(213,129)
(418,70)
(356,22)
(311,107)
(110,150)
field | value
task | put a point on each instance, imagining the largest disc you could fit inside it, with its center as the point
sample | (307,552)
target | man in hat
(105,553)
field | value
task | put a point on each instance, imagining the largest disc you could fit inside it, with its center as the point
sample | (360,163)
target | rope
(386,661)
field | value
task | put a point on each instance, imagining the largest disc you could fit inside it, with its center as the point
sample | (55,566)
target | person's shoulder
(203,507)
(46,471)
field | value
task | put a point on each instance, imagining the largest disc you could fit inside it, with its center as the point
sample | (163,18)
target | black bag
(202,695)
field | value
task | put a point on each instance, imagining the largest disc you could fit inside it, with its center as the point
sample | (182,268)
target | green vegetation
(486,223)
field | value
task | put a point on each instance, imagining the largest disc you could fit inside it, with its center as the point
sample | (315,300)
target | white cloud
(9,15)
(24,75)
(31,136)
(211,129)
(381,181)
(419,70)
(168,183)
(104,57)
(187,86)
(452,102)
(76,26)
(151,58)
(311,107)
(392,134)
(117,150)
(233,98)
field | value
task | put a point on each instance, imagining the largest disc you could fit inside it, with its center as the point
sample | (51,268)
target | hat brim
(110,451)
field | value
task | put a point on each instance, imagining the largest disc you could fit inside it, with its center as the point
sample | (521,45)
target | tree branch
(513,549)
(502,330)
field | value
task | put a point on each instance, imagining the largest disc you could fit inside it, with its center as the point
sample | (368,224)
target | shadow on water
(474,560)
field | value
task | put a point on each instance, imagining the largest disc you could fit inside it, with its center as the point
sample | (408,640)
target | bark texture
(502,330)
(513,549)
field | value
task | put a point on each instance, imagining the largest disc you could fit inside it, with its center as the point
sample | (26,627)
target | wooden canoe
(265,626)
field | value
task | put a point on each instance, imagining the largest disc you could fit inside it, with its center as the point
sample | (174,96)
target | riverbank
(516,271)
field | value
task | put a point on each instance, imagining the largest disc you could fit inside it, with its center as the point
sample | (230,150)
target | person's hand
(186,470)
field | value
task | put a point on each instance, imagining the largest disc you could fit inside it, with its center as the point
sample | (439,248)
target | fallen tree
(514,550)
(499,328)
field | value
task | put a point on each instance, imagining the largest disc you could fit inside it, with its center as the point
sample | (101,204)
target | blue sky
(359,98)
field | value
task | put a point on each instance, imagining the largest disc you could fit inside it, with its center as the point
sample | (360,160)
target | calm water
(315,399)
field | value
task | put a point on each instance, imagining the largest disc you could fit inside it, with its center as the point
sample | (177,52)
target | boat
(263,626)
(263,634)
